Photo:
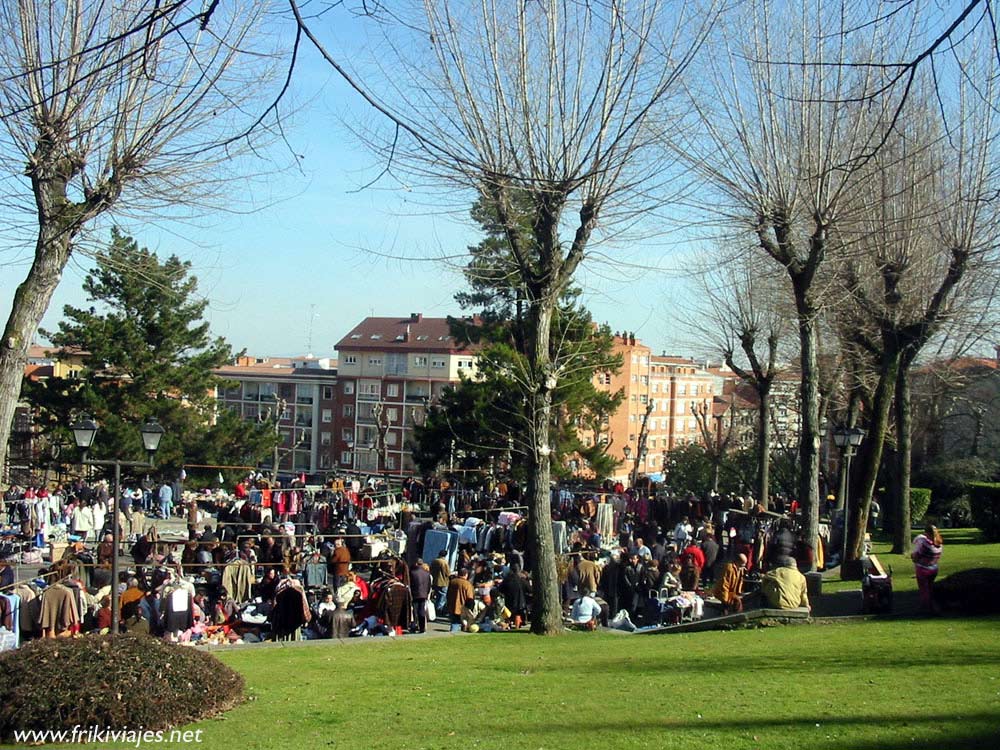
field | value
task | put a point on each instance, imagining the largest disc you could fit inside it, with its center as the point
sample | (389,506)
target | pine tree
(150,355)
(486,417)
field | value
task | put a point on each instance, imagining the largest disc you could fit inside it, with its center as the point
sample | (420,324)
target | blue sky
(312,253)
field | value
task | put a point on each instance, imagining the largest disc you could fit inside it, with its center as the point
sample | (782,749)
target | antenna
(309,329)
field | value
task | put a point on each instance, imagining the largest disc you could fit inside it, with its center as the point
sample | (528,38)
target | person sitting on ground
(104,615)
(473,613)
(784,587)
(729,587)
(586,613)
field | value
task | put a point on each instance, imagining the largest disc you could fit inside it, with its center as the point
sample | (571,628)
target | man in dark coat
(420,588)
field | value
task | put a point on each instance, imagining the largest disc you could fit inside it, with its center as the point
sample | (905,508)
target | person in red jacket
(692,561)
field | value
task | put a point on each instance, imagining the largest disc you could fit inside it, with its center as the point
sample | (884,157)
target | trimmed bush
(920,501)
(984,501)
(128,682)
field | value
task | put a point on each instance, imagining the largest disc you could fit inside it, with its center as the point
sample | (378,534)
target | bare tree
(552,102)
(111,108)
(787,113)
(748,319)
(920,248)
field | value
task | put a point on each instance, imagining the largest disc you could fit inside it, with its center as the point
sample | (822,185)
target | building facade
(298,396)
(390,370)
(661,392)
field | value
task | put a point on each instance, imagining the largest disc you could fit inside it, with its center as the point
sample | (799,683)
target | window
(392,415)
(395,363)
(369,388)
(643,398)
(349,388)
(390,462)
(694,389)
(327,415)
(420,361)
(392,389)
(635,378)
(350,359)
(656,387)
(345,458)
(644,360)
(681,389)
(376,337)
(644,380)
(324,461)
(465,363)
(631,417)
(390,438)
(347,435)
(635,359)
(327,392)
(348,410)
(374,361)
(325,438)
(438,363)
(355,335)
(604,378)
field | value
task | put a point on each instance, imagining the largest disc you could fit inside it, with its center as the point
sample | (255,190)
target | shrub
(127,682)
(920,501)
(948,479)
(984,500)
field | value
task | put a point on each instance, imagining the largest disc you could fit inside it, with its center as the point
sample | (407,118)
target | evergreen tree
(150,356)
(486,416)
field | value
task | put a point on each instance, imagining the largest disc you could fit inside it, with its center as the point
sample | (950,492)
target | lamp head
(84,430)
(151,433)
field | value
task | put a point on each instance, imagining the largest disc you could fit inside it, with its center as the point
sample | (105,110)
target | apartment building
(390,369)
(295,394)
(662,391)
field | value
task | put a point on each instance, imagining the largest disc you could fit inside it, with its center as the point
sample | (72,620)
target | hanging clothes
(290,612)
(177,609)
(60,612)
(238,579)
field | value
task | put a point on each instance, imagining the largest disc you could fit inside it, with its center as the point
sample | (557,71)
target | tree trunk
(904,450)
(871,456)
(31,300)
(809,438)
(546,615)
(764,446)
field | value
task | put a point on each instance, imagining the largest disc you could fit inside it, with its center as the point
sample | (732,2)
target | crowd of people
(653,561)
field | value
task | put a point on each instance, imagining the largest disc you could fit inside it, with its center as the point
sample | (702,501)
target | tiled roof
(413,333)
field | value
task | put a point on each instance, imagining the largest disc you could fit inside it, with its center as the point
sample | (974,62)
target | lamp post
(84,431)
(847,439)
(627,452)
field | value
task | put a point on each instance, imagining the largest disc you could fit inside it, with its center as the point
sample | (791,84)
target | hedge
(126,682)
(920,501)
(984,501)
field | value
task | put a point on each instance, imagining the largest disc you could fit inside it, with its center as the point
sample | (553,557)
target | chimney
(416,317)
(407,336)
(631,339)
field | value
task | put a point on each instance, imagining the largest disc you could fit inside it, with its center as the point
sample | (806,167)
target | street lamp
(84,431)
(627,452)
(847,439)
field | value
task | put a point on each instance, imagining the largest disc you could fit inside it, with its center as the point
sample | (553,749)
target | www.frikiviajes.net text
(80,735)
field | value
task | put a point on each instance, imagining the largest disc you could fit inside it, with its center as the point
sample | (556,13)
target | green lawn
(867,685)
